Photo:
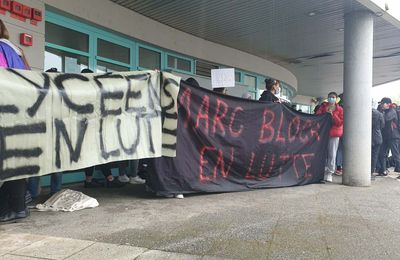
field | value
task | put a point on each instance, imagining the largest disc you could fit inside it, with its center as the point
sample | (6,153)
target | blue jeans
(55,184)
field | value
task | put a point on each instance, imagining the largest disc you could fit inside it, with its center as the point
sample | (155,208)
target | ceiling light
(312,13)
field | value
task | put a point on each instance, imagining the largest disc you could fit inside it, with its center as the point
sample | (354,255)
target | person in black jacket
(378,123)
(390,135)
(272,88)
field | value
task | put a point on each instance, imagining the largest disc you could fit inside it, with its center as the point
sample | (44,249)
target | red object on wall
(26,11)
(5,4)
(37,14)
(16,8)
(26,39)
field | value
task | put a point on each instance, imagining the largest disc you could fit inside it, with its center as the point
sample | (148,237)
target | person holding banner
(106,169)
(12,193)
(335,132)
(272,88)
(55,178)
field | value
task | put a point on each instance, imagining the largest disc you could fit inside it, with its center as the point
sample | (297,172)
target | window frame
(174,55)
(144,46)
(117,41)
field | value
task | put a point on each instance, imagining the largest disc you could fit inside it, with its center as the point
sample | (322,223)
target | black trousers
(106,168)
(394,146)
(374,156)
(12,195)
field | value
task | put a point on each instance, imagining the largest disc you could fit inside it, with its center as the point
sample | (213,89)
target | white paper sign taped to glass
(223,78)
(53,122)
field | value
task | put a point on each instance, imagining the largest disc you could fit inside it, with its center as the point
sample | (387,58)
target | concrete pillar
(358,54)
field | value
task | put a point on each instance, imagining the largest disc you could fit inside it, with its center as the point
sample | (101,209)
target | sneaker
(339,172)
(123,178)
(136,180)
(329,177)
(178,196)
(28,197)
(114,184)
(12,215)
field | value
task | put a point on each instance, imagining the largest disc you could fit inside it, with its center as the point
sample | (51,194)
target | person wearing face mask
(272,88)
(390,135)
(335,132)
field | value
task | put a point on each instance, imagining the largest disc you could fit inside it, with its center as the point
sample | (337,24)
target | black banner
(227,144)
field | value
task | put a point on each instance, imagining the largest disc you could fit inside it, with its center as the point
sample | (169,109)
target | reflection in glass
(66,37)
(182,64)
(149,59)
(113,51)
(178,63)
(237,76)
(171,61)
(103,67)
(250,81)
(64,61)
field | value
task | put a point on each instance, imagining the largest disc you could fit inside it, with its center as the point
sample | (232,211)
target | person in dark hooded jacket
(272,88)
(390,136)
(378,123)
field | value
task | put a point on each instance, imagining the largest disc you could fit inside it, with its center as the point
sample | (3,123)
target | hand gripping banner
(230,144)
(53,122)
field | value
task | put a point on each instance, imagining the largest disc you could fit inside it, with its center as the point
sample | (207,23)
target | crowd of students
(385,138)
(385,132)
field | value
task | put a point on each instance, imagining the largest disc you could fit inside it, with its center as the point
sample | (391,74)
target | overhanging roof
(304,36)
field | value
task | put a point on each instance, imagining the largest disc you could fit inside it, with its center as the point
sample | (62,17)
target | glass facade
(66,37)
(71,46)
(113,51)
(64,61)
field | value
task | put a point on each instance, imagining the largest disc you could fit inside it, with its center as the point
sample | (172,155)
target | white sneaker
(178,196)
(136,180)
(329,177)
(123,178)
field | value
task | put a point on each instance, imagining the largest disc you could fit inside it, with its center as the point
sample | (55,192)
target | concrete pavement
(320,221)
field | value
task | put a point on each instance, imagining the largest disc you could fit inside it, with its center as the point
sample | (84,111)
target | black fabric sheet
(229,144)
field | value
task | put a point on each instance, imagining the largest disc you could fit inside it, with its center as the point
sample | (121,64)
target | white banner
(53,122)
